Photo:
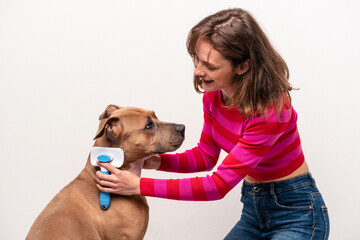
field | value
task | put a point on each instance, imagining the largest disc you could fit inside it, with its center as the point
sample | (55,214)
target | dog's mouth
(170,148)
(176,144)
(159,152)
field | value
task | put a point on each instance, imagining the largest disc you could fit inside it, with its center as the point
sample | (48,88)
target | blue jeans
(287,210)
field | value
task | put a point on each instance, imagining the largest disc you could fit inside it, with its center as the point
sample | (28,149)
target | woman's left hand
(119,182)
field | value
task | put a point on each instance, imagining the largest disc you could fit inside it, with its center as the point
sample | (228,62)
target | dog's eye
(149,125)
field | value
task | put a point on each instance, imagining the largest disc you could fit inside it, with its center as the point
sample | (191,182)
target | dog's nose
(180,128)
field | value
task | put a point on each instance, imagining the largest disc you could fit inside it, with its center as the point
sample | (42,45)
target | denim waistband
(280,186)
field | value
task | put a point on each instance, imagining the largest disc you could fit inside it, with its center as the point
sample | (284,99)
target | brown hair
(238,37)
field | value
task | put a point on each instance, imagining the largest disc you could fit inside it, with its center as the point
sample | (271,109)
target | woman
(248,114)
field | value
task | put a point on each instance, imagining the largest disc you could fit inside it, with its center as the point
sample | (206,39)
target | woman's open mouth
(207,82)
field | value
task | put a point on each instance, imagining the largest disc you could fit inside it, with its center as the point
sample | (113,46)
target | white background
(63,62)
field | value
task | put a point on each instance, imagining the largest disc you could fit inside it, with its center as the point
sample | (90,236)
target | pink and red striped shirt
(264,148)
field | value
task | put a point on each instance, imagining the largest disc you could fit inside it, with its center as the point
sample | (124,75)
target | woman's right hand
(152,162)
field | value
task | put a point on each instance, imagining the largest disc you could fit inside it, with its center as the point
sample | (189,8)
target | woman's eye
(211,68)
(149,125)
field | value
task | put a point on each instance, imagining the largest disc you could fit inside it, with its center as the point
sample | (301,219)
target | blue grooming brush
(114,156)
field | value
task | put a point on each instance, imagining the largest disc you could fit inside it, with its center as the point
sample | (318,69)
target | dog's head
(138,132)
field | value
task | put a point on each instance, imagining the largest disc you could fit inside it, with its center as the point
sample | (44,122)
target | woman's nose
(199,72)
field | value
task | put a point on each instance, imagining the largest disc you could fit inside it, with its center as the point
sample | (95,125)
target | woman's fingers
(105,189)
(105,177)
(106,183)
(108,166)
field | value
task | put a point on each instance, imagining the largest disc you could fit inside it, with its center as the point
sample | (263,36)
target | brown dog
(75,212)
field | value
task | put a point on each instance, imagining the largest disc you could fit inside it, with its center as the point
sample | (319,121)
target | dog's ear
(111,127)
(109,109)
(107,123)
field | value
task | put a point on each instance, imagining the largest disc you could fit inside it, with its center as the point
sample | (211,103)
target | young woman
(247,113)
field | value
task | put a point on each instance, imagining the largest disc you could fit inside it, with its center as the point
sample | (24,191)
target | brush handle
(104,196)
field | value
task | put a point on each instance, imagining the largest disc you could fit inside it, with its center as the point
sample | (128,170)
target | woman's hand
(119,182)
(153,162)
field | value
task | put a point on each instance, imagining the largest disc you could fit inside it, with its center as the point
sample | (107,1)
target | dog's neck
(136,167)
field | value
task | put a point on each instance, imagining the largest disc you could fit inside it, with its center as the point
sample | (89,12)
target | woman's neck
(225,97)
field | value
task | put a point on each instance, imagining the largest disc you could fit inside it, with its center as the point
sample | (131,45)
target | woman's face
(215,72)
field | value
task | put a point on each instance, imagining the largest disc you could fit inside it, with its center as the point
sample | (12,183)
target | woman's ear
(243,67)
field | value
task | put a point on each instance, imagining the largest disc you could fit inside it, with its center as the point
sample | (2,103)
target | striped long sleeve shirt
(263,148)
